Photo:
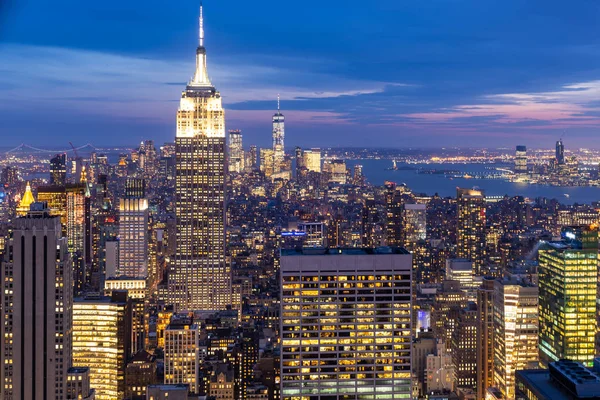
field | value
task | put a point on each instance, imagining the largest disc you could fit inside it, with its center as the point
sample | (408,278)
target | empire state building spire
(201,75)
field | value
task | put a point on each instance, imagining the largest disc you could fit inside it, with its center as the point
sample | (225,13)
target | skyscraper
(236,151)
(560,152)
(470,228)
(521,160)
(102,341)
(568,280)
(201,278)
(312,160)
(36,312)
(515,332)
(133,231)
(278,138)
(346,323)
(58,169)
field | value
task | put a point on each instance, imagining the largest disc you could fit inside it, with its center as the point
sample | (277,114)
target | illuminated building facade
(58,170)
(515,332)
(133,231)
(560,152)
(267,162)
(485,335)
(521,160)
(312,159)
(568,284)
(78,384)
(278,139)
(182,352)
(101,341)
(201,278)
(25,202)
(414,223)
(36,310)
(464,347)
(346,323)
(335,171)
(136,291)
(470,228)
(236,152)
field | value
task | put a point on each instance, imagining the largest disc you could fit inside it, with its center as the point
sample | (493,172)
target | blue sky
(397,73)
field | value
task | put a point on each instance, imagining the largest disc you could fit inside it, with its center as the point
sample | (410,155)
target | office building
(267,162)
(560,152)
(568,285)
(335,171)
(26,201)
(521,160)
(136,291)
(470,228)
(102,340)
(252,158)
(346,323)
(133,231)
(58,170)
(36,309)
(236,152)
(278,139)
(515,332)
(201,278)
(182,352)
(311,160)
(563,380)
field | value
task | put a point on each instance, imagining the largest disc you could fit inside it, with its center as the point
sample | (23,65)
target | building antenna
(278,102)
(201,32)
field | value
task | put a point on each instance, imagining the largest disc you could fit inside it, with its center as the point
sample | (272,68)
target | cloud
(121,86)
(571,105)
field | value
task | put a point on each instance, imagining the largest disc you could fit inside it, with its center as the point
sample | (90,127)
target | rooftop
(386,250)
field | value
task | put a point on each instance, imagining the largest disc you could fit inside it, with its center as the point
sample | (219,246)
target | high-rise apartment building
(102,340)
(278,139)
(36,309)
(470,228)
(133,231)
(521,160)
(515,332)
(201,278)
(182,352)
(346,323)
(236,152)
(58,170)
(267,162)
(485,336)
(394,232)
(568,285)
(464,347)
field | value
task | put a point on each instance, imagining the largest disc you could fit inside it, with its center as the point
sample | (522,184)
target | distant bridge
(24,148)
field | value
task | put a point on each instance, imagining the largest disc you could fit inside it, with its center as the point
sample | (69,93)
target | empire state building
(201,278)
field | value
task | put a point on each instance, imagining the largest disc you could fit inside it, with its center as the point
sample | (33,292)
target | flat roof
(351,251)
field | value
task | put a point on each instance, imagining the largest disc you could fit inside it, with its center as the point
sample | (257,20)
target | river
(377,172)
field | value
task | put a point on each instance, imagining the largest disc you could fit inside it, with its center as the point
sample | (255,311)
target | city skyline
(426,70)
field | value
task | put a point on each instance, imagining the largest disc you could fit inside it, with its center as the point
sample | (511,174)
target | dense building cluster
(204,270)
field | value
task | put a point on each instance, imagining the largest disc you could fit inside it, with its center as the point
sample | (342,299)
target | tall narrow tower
(200,279)
(278,138)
